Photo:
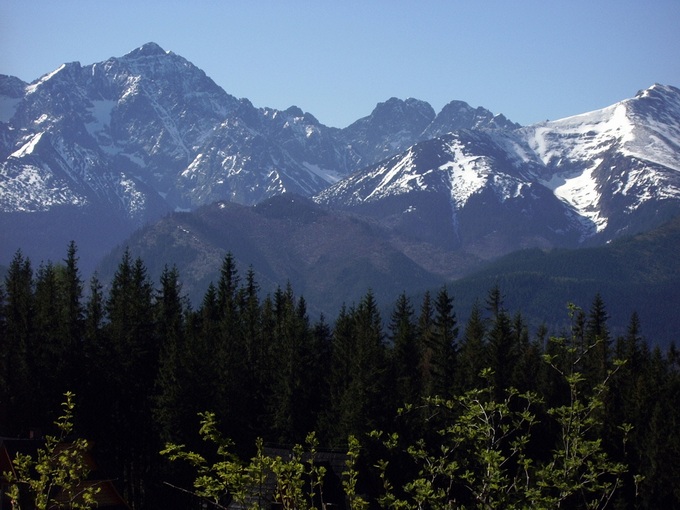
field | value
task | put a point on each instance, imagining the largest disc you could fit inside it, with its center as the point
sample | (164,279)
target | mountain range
(125,141)
(92,153)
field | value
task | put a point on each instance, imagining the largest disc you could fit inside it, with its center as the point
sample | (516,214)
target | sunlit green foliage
(54,477)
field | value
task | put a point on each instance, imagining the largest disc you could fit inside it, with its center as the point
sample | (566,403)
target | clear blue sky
(529,59)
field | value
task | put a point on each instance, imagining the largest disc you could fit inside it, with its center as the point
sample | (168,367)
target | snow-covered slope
(590,177)
(609,163)
(457,189)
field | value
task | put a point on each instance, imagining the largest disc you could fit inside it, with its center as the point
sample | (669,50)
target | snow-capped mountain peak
(598,171)
(142,134)
(593,157)
(150,49)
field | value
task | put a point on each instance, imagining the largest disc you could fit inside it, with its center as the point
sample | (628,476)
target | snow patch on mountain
(133,199)
(28,147)
(573,148)
(100,112)
(330,176)
(397,180)
(30,89)
(466,174)
(465,181)
(31,188)
(580,191)
(579,137)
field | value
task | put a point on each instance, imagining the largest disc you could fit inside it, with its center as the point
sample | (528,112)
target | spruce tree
(49,358)
(528,357)
(72,321)
(339,377)
(94,316)
(495,301)
(358,371)
(96,361)
(231,393)
(322,335)
(21,404)
(4,368)
(502,351)
(58,321)
(71,310)
(258,361)
(249,310)
(405,354)
(227,289)
(132,365)
(425,331)
(501,342)
(444,348)
(597,340)
(291,399)
(472,357)
(169,395)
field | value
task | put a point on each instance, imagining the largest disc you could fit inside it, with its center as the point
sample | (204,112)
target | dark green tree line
(144,363)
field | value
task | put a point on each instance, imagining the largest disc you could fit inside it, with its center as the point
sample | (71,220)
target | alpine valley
(147,152)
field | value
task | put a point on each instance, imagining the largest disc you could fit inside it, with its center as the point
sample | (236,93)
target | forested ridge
(143,364)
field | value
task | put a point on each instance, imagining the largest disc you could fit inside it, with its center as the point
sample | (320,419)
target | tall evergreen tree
(94,315)
(322,335)
(339,378)
(633,346)
(472,357)
(49,357)
(249,310)
(71,307)
(4,368)
(132,364)
(227,289)
(444,346)
(72,321)
(96,361)
(169,395)
(439,349)
(367,388)
(495,301)
(501,342)
(292,400)
(258,363)
(425,331)
(58,320)
(406,352)
(232,393)
(358,371)
(19,310)
(598,341)
(209,313)
(528,360)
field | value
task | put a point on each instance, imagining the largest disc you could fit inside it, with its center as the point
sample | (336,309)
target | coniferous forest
(143,363)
